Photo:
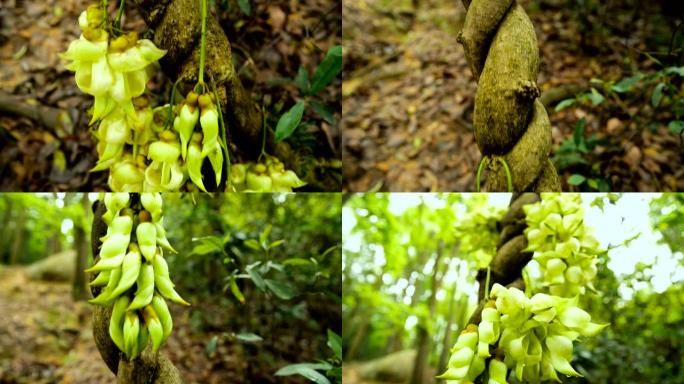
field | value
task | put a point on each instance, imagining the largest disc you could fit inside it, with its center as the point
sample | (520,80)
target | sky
(629,216)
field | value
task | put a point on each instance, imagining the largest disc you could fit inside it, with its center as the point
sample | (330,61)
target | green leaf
(595,97)
(248,337)
(564,104)
(327,70)
(603,185)
(205,248)
(253,244)
(657,95)
(282,290)
(576,179)
(306,370)
(592,183)
(236,290)
(324,111)
(676,126)
(256,278)
(675,71)
(335,343)
(578,134)
(302,80)
(289,121)
(297,261)
(276,244)
(211,345)
(245,6)
(626,84)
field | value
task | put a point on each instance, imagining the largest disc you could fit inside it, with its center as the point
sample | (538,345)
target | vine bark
(500,46)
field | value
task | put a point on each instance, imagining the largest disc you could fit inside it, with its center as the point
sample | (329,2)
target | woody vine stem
(203,42)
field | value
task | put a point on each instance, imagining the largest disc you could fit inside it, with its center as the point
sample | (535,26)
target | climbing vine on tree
(512,128)
(530,334)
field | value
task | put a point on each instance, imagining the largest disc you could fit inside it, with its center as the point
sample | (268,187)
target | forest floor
(408,99)
(268,47)
(46,337)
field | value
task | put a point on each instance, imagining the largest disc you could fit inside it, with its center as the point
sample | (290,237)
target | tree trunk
(19,234)
(423,338)
(79,289)
(148,368)
(359,338)
(6,233)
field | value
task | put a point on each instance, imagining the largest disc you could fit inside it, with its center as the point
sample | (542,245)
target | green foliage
(332,367)
(572,153)
(274,257)
(326,71)
(39,218)
(388,278)
(662,89)
(667,215)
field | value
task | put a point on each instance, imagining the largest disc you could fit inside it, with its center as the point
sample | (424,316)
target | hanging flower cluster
(144,150)
(196,146)
(564,248)
(269,176)
(533,336)
(134,273)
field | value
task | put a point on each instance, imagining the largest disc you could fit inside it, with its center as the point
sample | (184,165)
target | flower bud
(258,183)
(497,372)
(131,330)
(238,174)
(195,165)
(147,239)
(209,124)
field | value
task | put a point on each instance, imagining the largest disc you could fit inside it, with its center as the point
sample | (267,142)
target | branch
(147,368)
(54,119)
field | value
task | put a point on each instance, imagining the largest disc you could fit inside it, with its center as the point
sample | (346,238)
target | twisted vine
(510,123)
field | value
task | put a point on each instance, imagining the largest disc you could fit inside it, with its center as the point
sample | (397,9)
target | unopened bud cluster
(134,273)
(564,248)
(269,176)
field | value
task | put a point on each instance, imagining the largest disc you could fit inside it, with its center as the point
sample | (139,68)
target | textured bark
(480,25)
(500,45)
(177,29)
(148,368)
(507,87)
(528,157)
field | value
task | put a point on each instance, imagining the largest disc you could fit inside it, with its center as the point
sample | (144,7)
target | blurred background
(262,272)
(409,283)
(611,76)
